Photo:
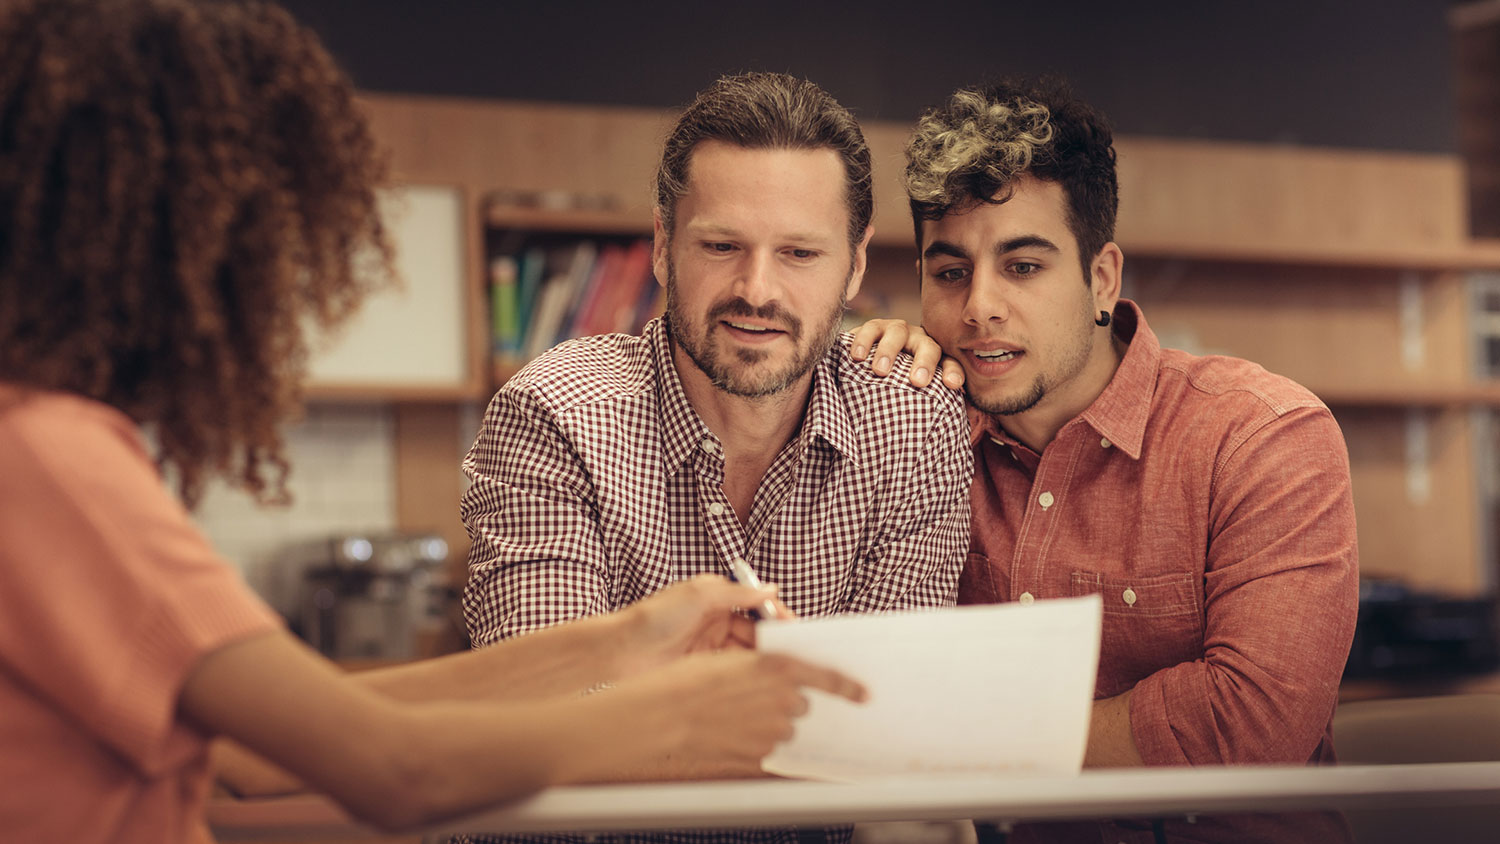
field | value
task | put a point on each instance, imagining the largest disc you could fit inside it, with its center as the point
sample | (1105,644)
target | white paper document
(994,688)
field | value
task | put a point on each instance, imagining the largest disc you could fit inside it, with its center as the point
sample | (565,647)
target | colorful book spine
(557,297)
(634,275)
(541,297)
(593,303)
(505,325)
(533,267)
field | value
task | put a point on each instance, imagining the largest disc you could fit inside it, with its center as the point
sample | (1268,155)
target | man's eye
(719,247)
(1025,268)
(804,254)
(952,276)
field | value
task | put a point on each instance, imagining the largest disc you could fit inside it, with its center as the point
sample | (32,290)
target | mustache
(770,311)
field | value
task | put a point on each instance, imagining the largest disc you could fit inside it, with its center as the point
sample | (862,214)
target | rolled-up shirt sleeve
(537,558)
(1280,600)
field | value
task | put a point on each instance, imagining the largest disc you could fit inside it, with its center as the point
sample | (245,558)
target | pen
(746,575)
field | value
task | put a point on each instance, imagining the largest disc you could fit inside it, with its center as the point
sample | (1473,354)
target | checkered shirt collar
(683,430)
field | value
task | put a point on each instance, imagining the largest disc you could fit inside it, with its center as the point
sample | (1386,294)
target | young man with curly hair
(1207,500)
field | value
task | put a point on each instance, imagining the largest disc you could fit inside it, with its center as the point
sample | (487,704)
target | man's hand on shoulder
(881,340)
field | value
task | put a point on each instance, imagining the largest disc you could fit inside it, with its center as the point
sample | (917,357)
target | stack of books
(541,297)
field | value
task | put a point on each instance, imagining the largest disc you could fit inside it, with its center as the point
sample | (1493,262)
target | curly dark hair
(974,147)
(181,184)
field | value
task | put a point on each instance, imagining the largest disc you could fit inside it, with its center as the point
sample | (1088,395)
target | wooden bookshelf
(1469,255)
(501,215)
(504,367)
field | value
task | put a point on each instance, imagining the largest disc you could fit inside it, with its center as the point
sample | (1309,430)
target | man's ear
(1106,274)
(861,261)
(659,238)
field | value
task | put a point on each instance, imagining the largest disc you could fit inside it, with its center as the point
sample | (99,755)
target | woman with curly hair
(181,183)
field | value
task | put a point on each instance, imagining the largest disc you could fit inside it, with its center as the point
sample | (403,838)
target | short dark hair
(768,111)
(974,148)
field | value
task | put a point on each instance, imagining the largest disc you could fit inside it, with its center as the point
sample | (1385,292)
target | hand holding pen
(768,608)
(697,615)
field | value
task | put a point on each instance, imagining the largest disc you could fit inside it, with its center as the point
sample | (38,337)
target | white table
(1140,793)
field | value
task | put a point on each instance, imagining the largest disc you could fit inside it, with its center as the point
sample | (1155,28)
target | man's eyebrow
(721,230)
(1026,241)
(943,247)
(710,229)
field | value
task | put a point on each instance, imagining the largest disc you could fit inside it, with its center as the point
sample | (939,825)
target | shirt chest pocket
(1150,623)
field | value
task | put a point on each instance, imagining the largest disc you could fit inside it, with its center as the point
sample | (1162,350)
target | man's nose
(988,300)
(756,283)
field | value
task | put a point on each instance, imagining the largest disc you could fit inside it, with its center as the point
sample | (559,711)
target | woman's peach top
(108,598)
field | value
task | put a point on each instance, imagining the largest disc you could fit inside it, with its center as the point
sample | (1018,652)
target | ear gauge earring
(1103,318)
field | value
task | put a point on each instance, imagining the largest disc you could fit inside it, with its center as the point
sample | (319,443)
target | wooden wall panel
(1334,329)
(890,288)
(1425,535)
(1174,193)
(1187,194)
(429,448)
(1476,90)
(888,161)
(606,154)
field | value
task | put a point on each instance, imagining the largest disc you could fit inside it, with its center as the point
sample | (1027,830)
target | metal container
(358,597)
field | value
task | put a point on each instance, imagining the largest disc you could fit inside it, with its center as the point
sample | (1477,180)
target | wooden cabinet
(1346,270)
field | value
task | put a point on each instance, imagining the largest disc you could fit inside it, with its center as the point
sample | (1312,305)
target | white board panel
(412,335)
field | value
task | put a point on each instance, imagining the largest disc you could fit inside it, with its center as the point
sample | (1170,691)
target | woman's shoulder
(48,433)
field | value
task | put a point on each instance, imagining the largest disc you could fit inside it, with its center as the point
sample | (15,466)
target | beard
(1011,405)
(743,372)
(1070,362)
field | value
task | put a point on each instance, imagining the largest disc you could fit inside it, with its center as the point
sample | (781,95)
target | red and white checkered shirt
(595,484)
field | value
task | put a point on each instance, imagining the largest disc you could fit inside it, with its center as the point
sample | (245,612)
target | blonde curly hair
(994,140)
(976,147)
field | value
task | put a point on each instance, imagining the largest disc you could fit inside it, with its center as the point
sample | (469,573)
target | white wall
(343,480)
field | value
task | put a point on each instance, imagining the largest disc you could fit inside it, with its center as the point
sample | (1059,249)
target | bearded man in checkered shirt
(737,426)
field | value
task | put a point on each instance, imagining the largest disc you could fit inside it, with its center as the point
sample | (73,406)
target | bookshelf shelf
(1479,394)
(1477,254)
(583,222)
